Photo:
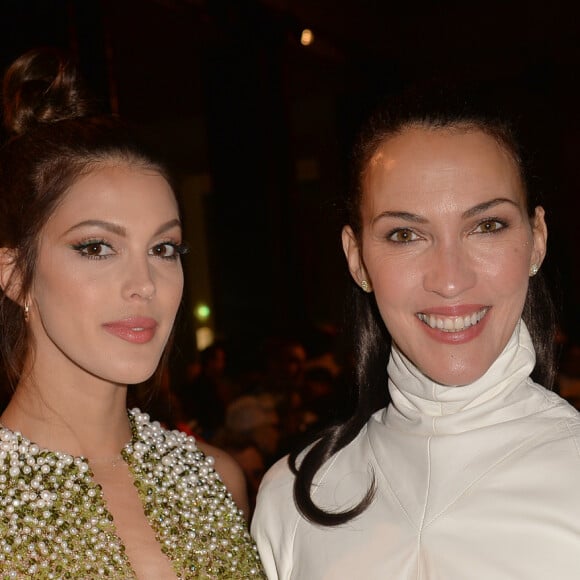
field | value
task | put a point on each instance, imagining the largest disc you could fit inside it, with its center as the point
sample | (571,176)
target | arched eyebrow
(471,212)
(402,215)
(167,226)
(483,207)
(120,230)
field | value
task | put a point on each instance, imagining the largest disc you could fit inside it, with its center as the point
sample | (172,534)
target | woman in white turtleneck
(473,470)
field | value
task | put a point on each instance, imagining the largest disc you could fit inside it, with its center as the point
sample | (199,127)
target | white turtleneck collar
(422,405)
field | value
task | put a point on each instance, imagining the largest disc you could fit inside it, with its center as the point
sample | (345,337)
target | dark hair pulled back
(54,137)
(434,109)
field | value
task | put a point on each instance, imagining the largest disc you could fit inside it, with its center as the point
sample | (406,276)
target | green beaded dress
(54,522)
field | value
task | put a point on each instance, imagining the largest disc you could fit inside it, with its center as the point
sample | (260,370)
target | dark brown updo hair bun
(41,86)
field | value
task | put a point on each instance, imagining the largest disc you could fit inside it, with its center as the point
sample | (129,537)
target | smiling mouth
(453,323)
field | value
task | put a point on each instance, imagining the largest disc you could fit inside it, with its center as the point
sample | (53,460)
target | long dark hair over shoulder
(371,341)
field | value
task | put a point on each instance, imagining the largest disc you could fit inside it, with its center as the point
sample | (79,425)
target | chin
(456,379)
(456,373)
(131,376)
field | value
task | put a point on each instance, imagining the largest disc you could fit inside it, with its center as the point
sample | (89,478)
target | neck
(430,408)
(80,415)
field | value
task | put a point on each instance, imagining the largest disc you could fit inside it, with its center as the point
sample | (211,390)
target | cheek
(395,281)
(173,290)
(67,285)
(509,270)
(69,298)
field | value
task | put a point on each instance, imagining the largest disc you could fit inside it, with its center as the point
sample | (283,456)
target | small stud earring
(534,269)
(365,286)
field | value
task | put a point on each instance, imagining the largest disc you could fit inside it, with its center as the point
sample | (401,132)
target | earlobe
(354,258)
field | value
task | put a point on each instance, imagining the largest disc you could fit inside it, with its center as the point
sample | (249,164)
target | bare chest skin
(124,504)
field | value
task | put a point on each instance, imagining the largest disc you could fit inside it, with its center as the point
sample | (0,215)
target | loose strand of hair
(371,345)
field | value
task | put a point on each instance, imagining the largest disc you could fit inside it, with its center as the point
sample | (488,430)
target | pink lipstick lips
(135,329)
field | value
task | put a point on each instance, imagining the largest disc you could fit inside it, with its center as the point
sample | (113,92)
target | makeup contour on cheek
(109,278)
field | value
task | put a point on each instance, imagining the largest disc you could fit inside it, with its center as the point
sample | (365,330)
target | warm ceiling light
(306,38)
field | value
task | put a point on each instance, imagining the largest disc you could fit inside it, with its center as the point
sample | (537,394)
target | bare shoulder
(230,472)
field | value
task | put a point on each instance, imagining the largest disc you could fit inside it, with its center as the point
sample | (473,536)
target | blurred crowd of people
(257,414)
(261,413)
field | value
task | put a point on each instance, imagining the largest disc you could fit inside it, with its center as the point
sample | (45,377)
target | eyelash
(396,231)
(502,225)
(82,247)
(493,220)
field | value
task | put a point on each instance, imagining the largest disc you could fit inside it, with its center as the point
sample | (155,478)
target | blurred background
(253,104)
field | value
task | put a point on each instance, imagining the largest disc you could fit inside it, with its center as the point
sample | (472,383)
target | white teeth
(454,323)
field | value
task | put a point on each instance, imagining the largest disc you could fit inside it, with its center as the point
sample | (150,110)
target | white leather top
(477,482)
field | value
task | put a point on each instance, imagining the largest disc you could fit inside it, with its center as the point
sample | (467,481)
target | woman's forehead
(443,161)
(118,192)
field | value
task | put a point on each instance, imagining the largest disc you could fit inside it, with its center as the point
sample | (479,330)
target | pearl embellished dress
(54,522)
(479,482)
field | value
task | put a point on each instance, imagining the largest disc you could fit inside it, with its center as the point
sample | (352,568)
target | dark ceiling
(224,88)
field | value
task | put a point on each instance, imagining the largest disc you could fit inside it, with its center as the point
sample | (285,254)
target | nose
(449,270)
(139,283)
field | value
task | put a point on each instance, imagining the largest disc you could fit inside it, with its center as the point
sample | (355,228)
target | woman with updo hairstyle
(472,470)
(91,281)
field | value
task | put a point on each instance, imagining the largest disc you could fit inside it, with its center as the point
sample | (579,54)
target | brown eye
(94,250)
(489,227)
(166,250)
(403,236)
